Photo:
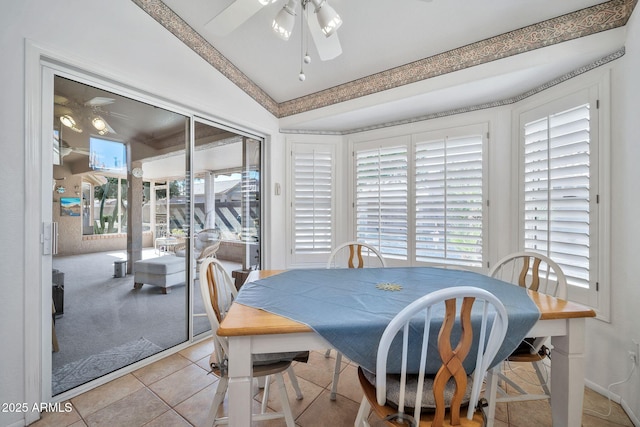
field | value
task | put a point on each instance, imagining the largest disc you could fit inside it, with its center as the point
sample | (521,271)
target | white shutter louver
(557,190)
(312,201)
(449,201)
(381,199)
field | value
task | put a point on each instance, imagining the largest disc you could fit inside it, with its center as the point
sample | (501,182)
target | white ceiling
(378,35)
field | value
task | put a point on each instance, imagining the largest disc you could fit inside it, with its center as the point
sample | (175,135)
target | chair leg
(294,383)
(491,393)
(327,353)
(336,375)
(221,390)
(544,382)
(265,394)
(363,413)
(286,407)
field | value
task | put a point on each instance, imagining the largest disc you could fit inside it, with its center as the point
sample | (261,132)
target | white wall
(609,343)
(115,39)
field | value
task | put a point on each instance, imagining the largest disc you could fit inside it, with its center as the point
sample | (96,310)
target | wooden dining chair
(537,272)
(435,400)
(355,255)
(218,292)
(351,255)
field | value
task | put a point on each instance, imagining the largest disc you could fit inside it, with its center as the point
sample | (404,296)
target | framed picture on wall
(70,206)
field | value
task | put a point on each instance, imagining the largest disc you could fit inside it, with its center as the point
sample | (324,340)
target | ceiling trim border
(602,17)
(508,101)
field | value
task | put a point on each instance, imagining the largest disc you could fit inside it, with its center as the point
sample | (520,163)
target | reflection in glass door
(226,188)
(119,284)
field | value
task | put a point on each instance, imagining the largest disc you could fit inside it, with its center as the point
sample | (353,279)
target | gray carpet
(82,371)
(102,312)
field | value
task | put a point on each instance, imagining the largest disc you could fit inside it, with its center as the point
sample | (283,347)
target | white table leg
(567,375)
(240,381)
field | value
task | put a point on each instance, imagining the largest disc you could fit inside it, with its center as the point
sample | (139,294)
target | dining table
(267,318)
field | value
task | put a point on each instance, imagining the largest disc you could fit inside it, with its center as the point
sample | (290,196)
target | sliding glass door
(141,195)
(226,209)
(116,283)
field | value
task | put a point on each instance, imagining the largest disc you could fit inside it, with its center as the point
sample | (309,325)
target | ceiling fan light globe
(266,2)
(328,18)
(285,20)
(68,121)
(280,31)
(99,123)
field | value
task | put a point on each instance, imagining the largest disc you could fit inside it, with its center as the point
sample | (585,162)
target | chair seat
(427,416)
(536,357)
(267,358)
(525,352)
(428,402)
(266,363)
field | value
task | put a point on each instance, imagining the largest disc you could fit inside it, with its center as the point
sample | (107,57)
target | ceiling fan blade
(60,100)
(233,16)
(98,101)
(328,47)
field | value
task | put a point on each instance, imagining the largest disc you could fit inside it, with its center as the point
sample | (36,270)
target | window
(420,198)
(312,168)
(109,206)
(382,198)
(449,201)
(559,191)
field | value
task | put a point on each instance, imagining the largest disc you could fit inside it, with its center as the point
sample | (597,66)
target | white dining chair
(355,255)
(426,399)
(351,255)
(218,292)
(537,272)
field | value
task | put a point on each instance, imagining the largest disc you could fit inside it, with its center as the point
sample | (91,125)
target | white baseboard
(614,398)
(634,419)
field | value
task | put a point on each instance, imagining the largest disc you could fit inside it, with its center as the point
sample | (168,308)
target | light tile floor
(177,391)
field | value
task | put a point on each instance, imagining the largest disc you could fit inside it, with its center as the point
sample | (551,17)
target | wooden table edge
(235,323)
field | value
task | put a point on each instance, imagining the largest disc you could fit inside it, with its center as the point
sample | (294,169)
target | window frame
(594,90)
(308,259)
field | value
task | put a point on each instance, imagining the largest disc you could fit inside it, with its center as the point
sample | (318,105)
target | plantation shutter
(449,201)
(557,190)
(381,199)
(312,201)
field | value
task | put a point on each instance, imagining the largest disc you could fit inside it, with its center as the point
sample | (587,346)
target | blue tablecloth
(346,307)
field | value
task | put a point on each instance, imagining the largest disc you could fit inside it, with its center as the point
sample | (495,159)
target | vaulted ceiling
(403,60)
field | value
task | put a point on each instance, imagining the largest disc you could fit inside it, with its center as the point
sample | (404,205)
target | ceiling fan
(72,113)
(322,30)
(66,149)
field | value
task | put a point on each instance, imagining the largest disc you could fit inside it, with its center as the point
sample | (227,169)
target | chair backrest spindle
(361,255)
(533,271)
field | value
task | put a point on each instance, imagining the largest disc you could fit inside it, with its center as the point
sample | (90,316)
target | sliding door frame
(41,65)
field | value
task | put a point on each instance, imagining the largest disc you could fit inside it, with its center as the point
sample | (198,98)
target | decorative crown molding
(581,23)
(574,73)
